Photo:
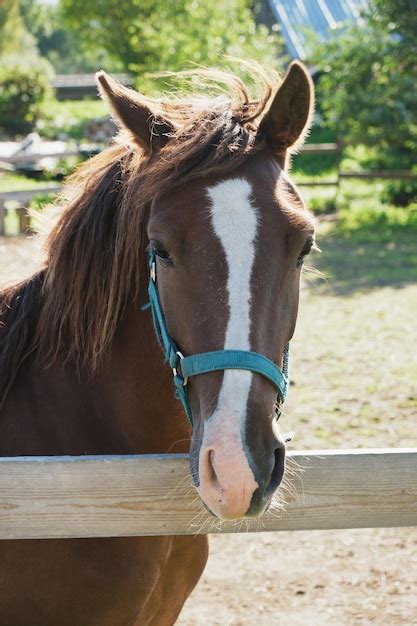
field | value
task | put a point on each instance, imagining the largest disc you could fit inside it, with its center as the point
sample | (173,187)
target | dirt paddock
(351,338)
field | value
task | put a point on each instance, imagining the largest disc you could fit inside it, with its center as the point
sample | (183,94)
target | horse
(196,187)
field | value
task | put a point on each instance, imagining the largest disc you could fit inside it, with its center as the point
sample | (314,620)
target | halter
(183,367)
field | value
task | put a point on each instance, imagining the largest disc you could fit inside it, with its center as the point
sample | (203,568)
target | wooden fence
(22,198)
(336,149)
(50,497)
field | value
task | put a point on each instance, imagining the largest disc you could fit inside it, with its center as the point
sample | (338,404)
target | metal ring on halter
(175,371)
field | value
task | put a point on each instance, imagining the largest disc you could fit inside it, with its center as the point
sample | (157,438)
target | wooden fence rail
(49,497)
(33,157)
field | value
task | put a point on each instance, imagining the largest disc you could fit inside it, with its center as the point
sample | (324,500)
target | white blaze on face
(235,220)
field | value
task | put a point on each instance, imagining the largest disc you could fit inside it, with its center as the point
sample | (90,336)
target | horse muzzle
(233,483)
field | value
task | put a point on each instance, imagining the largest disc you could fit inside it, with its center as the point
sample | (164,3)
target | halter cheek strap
(184,367)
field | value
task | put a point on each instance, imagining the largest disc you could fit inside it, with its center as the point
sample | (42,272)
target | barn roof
(296,16)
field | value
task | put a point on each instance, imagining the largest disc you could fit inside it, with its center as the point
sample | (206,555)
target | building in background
(296,17)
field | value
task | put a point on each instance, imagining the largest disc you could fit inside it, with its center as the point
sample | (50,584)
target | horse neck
(128,408)
(142,388)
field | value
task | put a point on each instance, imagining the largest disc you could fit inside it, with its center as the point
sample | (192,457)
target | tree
(25,78)
(153,35)
(14,37)
(367,88)
(58,44)
(398,17)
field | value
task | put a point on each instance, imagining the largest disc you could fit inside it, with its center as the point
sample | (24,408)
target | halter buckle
(175,371)
(153,270)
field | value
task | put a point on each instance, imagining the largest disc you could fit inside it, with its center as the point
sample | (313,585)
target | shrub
(322,205)
(400,193)
(24,86)
(41,200)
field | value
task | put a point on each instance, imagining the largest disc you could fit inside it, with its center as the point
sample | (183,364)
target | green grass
(361,211)
(364,260)
(352,265)
(368,158)
(16,182)
(12,223)
(321,134)
(309,167)
(369,245)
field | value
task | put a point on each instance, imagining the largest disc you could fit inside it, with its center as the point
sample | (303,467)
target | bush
(69,117)
(322,205)
(41,201)
(400,193)
(24,86)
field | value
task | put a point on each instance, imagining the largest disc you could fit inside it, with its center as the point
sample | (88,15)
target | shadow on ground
(365,260)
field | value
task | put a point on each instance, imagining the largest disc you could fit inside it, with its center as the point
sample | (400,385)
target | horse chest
(97,582)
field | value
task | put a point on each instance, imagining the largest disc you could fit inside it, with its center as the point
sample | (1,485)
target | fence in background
(336,149)
(21,199)
(62,497)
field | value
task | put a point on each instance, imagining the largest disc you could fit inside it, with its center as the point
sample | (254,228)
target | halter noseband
(183,367)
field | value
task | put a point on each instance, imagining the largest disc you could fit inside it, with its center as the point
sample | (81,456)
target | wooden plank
(383,174)
(25,195)
(2,218)
(317,183)
(6,167)
(320,148)
(32,158)
(45,497)
(24,218)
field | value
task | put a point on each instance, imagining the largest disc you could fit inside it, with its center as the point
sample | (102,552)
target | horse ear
(148,129)
(289,116)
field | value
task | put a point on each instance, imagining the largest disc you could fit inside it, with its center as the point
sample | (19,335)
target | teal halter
(183,367)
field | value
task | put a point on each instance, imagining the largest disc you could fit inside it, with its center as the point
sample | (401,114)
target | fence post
(339,154)
(2,217)
(25,227)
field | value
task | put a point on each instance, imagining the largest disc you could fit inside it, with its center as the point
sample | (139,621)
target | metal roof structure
(295,17)
(78,86)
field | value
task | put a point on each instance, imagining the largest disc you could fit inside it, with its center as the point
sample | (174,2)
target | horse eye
(305,251)
(160,251)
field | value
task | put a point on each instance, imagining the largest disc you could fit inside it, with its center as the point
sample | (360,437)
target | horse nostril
(277,471)
(212,472)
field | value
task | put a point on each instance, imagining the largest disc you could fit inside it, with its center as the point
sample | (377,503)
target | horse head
(229,239)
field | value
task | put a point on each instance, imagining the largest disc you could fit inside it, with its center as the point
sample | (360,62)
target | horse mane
(95,247)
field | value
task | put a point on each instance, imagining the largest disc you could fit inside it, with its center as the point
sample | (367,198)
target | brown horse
(202,182)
